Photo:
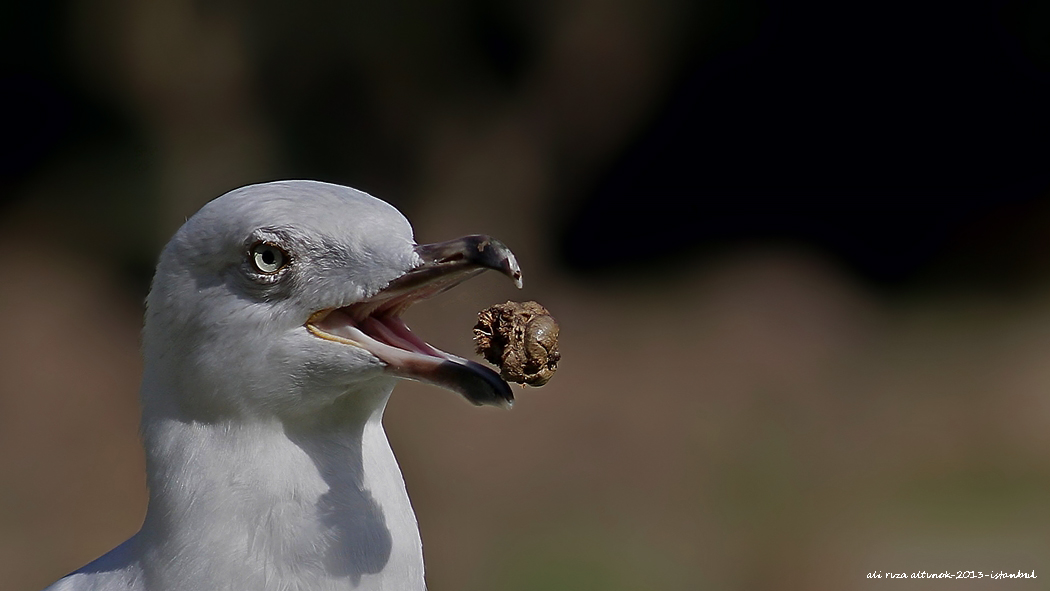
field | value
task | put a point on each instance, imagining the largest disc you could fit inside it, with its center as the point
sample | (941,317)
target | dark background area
(887,135)
(798,250)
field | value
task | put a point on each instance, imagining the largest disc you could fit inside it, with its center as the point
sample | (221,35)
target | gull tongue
(394,331)
(408,356)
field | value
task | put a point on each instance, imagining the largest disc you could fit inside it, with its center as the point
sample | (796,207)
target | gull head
(275,300)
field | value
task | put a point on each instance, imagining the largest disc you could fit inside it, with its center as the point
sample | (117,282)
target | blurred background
(798,250)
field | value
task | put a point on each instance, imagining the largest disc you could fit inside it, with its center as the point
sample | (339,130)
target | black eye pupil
(268,257)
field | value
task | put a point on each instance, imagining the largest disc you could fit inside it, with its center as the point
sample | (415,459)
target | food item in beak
(521,338)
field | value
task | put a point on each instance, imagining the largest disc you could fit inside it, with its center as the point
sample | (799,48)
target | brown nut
(522,339)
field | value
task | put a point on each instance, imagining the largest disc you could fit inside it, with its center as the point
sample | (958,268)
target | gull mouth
(376,324)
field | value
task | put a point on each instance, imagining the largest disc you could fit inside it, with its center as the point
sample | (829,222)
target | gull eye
(268,258)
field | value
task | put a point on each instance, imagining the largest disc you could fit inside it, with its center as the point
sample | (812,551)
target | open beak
(376,325)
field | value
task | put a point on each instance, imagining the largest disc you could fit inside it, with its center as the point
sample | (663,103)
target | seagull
(273,338)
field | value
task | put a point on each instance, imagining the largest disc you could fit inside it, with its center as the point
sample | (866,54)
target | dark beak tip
(485,387)
(476,251)
(496,255)
(504,403)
